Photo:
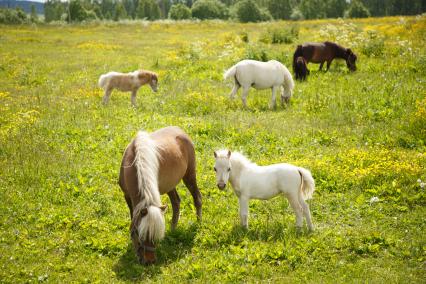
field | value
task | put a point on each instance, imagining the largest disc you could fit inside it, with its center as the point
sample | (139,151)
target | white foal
(261,75)
(251,181)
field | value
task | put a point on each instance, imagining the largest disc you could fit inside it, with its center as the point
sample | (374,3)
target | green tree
(53,10)
(248,11)
(313,9)
(119,12)
(148,9)
(280,9)
(179,12)
(107,8)
(357,10)
(33,15)
(335,8)
(209,9)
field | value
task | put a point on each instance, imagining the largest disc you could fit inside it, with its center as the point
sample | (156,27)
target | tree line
(240,10)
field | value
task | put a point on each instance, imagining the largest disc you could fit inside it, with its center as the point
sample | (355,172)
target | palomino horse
(324,52)
(261,75)
(251,181)
(127,82)
(153,164)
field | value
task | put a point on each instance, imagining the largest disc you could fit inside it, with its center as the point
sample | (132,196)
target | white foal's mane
(147,166)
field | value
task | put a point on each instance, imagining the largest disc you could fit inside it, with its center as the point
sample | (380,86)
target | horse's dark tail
(297,53)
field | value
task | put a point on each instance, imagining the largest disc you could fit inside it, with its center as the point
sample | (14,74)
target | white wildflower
(374,199)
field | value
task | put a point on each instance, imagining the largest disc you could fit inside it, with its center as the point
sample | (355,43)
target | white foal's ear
(229,154)
(215,154)
(163,208)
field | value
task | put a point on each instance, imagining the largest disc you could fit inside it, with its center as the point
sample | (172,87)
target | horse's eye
(215,169)
(229,169)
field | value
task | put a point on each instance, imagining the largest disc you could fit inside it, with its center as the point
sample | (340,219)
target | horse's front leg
(133,97)
(106,96)
(175,200)
(244,206)
(320,68)
(273,99)
(244,95)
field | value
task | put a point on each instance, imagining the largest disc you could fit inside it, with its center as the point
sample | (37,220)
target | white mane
(147,166)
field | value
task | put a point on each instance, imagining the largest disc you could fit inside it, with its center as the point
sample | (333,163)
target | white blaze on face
(222,168)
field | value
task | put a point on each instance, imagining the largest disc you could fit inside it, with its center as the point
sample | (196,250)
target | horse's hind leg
(175,200)
(307,213)
(190,182)
(320,68)
(234,90)
(244,95)
(297,207)
(328,65)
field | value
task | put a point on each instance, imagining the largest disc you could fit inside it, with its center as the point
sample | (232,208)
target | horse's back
(258,74)
(176,155)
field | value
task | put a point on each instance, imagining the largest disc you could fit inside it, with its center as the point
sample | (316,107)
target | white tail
(230,72)
(308,184)
(103,80)
(147,164)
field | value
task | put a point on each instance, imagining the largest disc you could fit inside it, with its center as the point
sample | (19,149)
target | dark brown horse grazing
(153,164)
(324,52)
(301,70)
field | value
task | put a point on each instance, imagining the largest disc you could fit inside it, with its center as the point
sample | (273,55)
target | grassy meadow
(64,219)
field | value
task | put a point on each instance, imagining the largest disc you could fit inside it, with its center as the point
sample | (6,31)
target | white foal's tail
(288,83)
(307,187)
(103,79)
(230,72)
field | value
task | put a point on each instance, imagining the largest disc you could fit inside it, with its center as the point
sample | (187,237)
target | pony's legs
(307,213)
(294,202)
(273,99)
(320,68)
(244,95)
(234,90)
(106,96)
(328,65)
(175,200)
(133,98)
(244,206)
(190,182)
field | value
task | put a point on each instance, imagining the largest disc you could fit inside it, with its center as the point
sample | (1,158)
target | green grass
(63,217)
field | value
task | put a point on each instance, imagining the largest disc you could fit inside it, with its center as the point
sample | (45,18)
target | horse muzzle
(221,185)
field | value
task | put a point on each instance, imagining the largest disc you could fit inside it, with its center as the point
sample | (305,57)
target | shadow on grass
(175,245)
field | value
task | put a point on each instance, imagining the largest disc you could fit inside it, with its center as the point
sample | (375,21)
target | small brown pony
(153,164)
(324,52)
(301,69)
(127,82)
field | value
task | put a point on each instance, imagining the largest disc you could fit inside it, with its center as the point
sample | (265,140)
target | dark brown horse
(153,164)
(301,69)
(324,52)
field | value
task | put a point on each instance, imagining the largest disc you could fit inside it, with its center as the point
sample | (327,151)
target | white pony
(251,181)
(261,75)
